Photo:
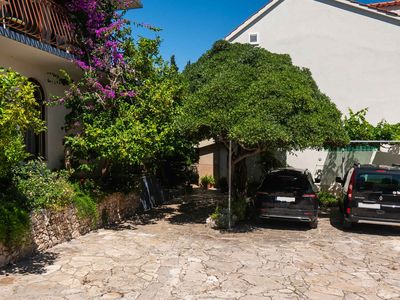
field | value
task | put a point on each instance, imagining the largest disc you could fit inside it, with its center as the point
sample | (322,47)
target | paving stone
(169,259)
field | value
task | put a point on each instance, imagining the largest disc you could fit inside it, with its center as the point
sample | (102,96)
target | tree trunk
(239,171)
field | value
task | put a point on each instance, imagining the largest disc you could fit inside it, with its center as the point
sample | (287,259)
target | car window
(378,182)
(284,182)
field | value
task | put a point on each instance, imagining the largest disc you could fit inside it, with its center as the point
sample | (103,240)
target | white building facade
(352,51)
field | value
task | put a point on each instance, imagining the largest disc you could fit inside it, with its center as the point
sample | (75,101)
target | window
(36,143)
(286,182)
(378,182)
(253,38)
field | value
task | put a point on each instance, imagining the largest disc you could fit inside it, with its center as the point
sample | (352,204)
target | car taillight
(309,196)
(351,187)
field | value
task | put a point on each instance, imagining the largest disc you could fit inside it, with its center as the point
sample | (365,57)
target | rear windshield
(378,182)
(283,182)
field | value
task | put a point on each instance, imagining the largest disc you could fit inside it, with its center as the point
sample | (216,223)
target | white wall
(353,56)
(35,63)
(313,160)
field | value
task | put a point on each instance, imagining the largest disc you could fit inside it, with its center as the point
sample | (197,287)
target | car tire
(346,224)
(314,224)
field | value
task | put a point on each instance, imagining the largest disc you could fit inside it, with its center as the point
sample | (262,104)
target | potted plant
(207,181)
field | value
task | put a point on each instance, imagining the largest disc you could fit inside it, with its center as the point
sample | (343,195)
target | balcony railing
(43,20)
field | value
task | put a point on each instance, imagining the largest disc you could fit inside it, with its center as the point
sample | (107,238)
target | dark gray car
(371,194)
(288,194)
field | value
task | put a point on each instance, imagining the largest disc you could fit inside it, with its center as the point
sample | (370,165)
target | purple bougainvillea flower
(82,65)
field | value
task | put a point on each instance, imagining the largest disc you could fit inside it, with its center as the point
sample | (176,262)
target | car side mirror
(339,180)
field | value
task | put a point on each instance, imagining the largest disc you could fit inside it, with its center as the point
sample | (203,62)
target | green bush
(85,204)
(14,224)
(239,208)
(18,113)
(221,218)
(32,187)
(327,200)
(207,180)
(42,188)
(216,214)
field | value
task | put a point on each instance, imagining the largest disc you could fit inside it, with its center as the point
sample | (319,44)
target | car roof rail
(366,166)
(393,166)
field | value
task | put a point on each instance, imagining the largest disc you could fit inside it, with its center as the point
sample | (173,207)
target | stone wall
(49,227)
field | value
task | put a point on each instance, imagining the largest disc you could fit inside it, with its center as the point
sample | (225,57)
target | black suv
(371,194)
(288,194)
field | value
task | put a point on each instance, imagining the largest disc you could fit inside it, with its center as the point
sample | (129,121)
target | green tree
(260,101)
(358,127)
(173,63)
(132,123)
(18,113)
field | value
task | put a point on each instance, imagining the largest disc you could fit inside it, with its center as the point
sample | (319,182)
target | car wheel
(346,224)
(314,224)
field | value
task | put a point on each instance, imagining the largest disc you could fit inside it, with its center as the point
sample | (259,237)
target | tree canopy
(358,128)
(259,100)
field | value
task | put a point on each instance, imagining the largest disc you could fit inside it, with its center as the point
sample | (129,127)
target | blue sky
(373,1)
(191,26)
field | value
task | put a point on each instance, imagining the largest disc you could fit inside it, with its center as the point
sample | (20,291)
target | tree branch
(240,158)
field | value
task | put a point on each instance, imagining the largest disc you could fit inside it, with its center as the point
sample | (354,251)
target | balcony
(43,20)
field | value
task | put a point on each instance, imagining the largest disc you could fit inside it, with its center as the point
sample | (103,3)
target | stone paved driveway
(171,255)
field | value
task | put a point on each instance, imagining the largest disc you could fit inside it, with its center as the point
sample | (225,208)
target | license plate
(369,205)
(286,199)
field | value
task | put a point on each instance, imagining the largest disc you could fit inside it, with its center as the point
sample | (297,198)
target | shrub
(327,200)
(216,214)
(85,204)
(14,223)
(221,218)
(207,180)
(42,188)
(18,112)
(239,208)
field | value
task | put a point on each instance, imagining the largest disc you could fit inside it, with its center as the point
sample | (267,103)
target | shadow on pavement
(154,215)
(362,228)
(32,265)
(241,228)
(197,207)
(142,218)
(325,213)
(283,225)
